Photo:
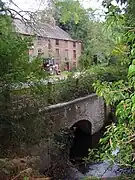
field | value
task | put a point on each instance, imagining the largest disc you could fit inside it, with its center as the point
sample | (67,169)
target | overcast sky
(33,5)
(38,4)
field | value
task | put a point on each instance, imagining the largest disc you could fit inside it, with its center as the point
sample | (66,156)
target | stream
(100,170)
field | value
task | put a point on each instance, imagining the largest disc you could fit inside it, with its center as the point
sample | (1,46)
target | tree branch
(127,142)
(121,90)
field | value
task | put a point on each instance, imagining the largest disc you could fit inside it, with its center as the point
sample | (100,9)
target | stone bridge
(89,111)
(87,114)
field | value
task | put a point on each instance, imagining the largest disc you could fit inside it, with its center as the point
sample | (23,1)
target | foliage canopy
(120,95)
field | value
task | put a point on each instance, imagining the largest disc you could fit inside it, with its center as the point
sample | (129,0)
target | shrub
(82,85)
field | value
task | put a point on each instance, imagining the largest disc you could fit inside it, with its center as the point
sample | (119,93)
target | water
(103,170)
(100,170)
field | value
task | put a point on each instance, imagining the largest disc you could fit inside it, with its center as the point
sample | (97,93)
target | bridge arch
(82,140)
(84,125)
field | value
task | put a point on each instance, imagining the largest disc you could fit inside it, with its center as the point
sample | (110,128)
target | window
(74,64)
(39,40)
(66,44)
(74,54)
(31,46)
(66,54)
(57,42)
(49,44)
(49,54)
(40,52)
(74,44)
(57,53)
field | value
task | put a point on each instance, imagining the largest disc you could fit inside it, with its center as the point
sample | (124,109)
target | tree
(121,96)
(15,70)
(13,55)
(82,25)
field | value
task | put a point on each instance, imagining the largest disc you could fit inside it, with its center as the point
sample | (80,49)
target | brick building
(51,41)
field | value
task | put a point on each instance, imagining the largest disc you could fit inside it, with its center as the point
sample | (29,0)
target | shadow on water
(83,140)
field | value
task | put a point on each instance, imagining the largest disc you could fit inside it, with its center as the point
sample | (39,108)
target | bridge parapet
(91,108)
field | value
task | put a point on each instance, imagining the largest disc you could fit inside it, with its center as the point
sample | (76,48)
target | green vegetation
(82,25)
(112,76)
(120,95)
(73,87)
(15,69)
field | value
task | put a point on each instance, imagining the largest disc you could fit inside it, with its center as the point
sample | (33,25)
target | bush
(109,73)
(82,85)
(79,86)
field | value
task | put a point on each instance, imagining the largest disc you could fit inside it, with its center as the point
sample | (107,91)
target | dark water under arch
(83,140)
(81,143)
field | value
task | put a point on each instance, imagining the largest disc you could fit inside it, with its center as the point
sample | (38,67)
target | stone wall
(91,108)
(65,50)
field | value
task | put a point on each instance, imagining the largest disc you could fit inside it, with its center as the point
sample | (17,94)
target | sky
(33,5)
